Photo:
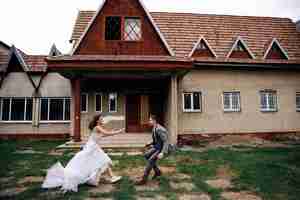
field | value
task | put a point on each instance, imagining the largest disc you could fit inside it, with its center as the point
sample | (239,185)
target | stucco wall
(23,128)
(213,83)
(55,85)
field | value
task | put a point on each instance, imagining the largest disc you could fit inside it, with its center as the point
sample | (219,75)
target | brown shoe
(141,182)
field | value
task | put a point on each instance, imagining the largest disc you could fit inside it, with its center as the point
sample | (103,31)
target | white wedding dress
(85,167)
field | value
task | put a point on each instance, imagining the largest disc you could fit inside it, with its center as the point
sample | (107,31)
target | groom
(159,147)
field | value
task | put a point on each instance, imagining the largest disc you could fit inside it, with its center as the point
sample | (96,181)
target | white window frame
(101,106)
(109,105)
(87,102)
(231,109)
(268,109)
(9,115)
(48,114)
(192,102)
(141,29)
(297,106)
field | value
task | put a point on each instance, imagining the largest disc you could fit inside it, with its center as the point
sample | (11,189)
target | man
(159,147)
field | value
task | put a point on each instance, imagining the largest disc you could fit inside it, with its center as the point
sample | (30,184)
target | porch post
(76,109)
(174,110)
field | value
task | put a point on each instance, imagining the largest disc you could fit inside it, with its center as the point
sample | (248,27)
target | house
(200,74)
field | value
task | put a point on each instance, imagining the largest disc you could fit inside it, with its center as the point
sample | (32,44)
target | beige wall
(213,83)
(27,128)
(55,85)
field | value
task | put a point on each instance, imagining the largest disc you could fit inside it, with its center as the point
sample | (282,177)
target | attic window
(202,49)
(133,29)
(275,51)
(202,46)
(239,47)
(113,28)
(240,50)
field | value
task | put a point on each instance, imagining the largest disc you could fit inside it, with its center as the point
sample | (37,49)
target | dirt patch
(102,188)
(181,176)
(185,159)
(56,153)
(10,192)
(134,173)
(186,186)
(194,196)
(152,198)
(150,186)
(224,172)
(239,196)
(31,179)
(219,183)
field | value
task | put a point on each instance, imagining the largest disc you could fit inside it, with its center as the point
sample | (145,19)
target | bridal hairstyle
(93,123)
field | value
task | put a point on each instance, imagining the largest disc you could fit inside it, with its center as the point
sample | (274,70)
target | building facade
(200,74)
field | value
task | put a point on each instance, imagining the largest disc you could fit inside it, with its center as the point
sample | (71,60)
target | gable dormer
(240,50)
(275,51)
(202,49)
(122,27)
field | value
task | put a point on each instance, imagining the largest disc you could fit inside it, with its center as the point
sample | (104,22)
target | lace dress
(86,166)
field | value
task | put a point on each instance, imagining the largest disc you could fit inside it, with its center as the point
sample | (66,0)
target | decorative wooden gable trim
(98,12)
(207,52)
(275,51)
(15,53)
(243,52)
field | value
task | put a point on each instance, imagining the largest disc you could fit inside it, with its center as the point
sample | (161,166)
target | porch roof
(118,62)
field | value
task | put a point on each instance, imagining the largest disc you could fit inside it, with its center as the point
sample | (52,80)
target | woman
(86,166)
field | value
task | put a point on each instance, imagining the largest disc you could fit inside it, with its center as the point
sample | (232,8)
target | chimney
(298,25)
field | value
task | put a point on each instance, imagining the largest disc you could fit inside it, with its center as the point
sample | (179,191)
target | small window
(55,109)
(231,101)
(16,109)
(84,102)
(113,28)
(112,98)
(98,99)
(298,101)
(192,102)
(268,101)
(133,29)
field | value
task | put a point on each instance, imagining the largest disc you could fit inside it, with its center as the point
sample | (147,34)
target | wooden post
(174,110)
(76,109)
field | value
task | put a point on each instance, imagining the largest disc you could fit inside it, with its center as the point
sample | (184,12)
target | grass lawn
(268,173)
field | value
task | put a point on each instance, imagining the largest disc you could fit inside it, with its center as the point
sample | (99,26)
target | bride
(86,166)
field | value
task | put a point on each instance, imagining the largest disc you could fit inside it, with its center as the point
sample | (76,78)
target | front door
(133,119)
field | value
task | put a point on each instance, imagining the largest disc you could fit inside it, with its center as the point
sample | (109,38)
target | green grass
(273,174)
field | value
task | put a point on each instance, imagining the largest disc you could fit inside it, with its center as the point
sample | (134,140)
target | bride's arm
(108,133)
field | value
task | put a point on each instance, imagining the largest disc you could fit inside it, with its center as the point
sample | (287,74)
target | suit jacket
(160,138)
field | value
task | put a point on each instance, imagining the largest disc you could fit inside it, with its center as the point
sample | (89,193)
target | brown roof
(182,31)
(4,56)
(36,63)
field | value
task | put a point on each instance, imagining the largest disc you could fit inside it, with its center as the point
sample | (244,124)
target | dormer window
(113,28)
(133,29)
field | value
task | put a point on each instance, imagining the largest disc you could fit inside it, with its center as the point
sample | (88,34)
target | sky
(34,25)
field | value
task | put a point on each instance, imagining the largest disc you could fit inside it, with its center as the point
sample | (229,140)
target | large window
(98,102)
(268,101)
(298,101)
(113,28)
(231,101)
(112,102)
(55,109)
(192,102)
(16,109)
(133,29)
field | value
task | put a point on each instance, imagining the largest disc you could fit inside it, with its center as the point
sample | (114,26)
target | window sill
(55,122)
(269,110)
(232,111)
(192,111)
(16,122)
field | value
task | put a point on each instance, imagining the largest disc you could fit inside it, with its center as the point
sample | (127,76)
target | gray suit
(159,145)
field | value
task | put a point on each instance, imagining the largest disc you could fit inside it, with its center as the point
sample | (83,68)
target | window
(112,98)
(239,47)
(231,101)
(268,101)
(84,102)
(113,28)
(133,30)
(192,102)
(98,102)
(16,109)
(55,109)
(298,101)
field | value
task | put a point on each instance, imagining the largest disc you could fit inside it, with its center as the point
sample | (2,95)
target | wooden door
(133,120)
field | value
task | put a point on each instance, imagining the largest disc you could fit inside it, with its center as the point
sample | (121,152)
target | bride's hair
(93,123)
